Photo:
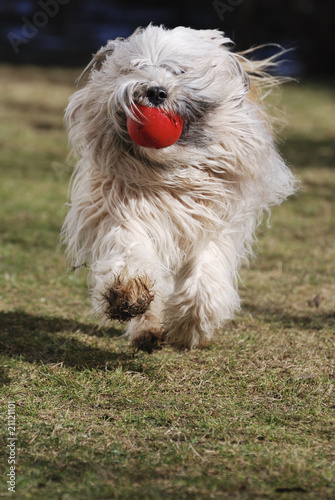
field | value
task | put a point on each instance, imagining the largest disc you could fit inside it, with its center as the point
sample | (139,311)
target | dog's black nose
(157,95)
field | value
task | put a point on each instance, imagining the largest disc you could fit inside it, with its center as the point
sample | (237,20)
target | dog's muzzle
(157,95)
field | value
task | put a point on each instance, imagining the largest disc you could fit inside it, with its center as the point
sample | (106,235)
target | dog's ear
(98,58)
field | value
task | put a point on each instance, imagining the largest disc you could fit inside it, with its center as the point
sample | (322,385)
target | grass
(249,417)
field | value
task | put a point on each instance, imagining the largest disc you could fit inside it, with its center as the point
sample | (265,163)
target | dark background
(66,32)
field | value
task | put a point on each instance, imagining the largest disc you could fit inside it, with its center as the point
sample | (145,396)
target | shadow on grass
(313,320)
(51,340)
(4,380)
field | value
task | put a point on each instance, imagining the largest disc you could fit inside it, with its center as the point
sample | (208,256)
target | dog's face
(183,71)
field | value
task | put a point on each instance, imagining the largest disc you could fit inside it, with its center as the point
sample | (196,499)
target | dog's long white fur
(185,215)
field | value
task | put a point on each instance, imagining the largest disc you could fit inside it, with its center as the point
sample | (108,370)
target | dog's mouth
(154,127)
(153,117)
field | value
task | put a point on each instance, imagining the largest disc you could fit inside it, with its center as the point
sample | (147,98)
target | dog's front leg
(123,278)
(204,296)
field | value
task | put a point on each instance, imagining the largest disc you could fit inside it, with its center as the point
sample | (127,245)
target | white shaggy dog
(165,228)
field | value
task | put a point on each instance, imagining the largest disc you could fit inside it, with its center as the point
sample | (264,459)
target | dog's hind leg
(146,332)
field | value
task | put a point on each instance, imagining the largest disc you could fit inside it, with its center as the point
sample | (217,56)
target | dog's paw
(128,298)
(149,340)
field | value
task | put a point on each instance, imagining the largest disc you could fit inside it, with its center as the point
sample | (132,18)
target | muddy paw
(128,298)
(149,340)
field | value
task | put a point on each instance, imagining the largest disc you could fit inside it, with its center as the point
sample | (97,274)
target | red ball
(156,127)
